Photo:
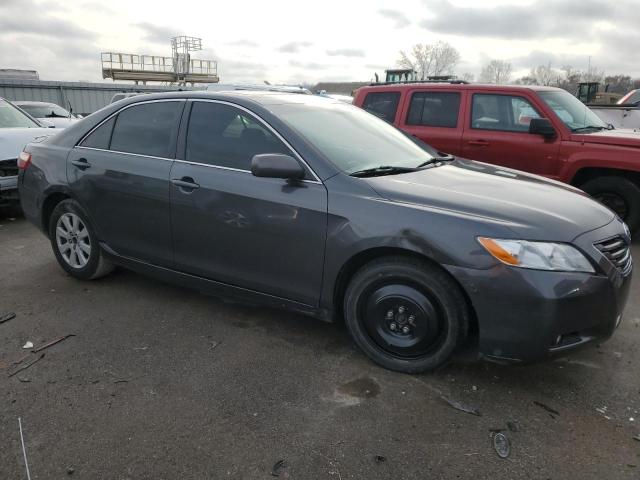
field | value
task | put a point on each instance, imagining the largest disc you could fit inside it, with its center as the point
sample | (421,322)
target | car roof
(263,98)
(456,86)
(32,103)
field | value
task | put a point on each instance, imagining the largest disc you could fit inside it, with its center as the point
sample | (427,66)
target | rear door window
(382,104)
(148,129)
(225,136)
(101,136)
(502,112)
(434,109)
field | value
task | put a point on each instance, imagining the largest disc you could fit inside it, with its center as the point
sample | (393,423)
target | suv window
(502,112)
(148,129)
(226,136)
(382,104)
(434,109)
(101,136)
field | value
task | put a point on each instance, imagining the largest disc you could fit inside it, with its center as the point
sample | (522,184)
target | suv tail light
(24,160)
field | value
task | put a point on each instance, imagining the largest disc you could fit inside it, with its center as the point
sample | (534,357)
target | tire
(75,243)
(619,194)
(384,296)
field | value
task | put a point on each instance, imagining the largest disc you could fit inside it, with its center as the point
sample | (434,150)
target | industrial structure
(178,69)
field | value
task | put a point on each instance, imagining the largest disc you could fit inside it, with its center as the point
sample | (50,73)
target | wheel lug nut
(405,329)
(390,314)
(393,326)
(401,310)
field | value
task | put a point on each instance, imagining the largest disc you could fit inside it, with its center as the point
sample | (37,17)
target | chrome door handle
(187,183)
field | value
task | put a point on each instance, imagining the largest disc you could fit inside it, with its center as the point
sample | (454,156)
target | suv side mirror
(542,126)
(276,165)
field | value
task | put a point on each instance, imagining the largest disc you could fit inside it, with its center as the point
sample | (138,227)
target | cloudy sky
(286,41)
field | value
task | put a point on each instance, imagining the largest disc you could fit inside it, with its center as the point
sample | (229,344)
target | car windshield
(11,117)
(45,111)
(573,113)
(351,138)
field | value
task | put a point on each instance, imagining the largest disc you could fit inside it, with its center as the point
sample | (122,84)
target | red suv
(541,130)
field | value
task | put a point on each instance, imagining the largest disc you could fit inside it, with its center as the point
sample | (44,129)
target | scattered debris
(21,359)
(462,407)
(474,388)
(602,410)
(637,437)
(513,427)
(24,451)
(24,367)
(631,419)
(277,468)
(121,381)
(380,459)
(52,343)
(214,345)
(7,316)
(24,379)
(546,407)
(28,345)
(501,445)
(70,470)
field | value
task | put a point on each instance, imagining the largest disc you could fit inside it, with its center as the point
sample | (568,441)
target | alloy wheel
(73,241)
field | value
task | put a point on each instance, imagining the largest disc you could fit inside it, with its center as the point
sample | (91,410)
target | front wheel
(619,194)
(405,314)
(75,243)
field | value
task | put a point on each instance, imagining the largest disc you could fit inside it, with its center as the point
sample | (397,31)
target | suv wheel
(75,244)
(406,315)
(619,194)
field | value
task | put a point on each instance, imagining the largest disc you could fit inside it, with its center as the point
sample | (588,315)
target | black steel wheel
(405,314)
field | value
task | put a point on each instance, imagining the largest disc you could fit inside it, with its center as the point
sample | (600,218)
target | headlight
(537,255)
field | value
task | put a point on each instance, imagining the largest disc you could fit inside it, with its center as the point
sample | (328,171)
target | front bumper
(527,315)
(8,189)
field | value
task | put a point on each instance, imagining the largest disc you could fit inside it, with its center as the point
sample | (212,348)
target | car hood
(532,207)
(623,137)
(13,140)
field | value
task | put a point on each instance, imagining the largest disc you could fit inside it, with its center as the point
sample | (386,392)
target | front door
(263,234)
(120,174)
(498,133)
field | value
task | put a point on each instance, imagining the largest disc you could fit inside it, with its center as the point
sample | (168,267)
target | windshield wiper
(382,170)
(441,158)
(590,127)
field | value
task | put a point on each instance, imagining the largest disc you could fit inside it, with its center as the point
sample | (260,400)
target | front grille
(9,168)
(618,251)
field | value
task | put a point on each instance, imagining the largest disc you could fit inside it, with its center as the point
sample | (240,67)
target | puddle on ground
(363,387)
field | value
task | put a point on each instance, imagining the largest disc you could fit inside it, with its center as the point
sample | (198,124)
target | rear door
(498,132)
(120,174)
(263,234)
(433,115)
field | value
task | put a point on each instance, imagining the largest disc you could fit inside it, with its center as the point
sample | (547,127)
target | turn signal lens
(24,160)
(497,251)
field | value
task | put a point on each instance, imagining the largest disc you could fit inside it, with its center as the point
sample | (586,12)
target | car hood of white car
(60,122)
(13,140)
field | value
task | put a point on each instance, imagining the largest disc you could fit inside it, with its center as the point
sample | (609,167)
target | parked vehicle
(619,116)
(307,203)
(631,99)
(16,130)
(541,130)
(48,112)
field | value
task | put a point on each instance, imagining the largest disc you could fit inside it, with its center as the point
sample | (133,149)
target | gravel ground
(160,382)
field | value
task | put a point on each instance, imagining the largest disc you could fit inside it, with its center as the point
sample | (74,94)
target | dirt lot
(165,383)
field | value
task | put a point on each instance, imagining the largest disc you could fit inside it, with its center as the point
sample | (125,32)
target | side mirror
(542,126)
(276,165)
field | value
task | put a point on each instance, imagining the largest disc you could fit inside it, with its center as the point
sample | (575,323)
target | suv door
(263,234)
(120,174)
(498,132)
(434,117)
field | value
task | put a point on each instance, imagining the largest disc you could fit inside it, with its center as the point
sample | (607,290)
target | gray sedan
(307,203)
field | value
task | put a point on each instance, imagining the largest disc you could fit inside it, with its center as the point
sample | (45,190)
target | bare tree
(427,60)
(545,75)
(496,71)
(468,77)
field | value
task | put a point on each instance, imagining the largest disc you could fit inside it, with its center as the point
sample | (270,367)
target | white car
(48,113)
(16,130)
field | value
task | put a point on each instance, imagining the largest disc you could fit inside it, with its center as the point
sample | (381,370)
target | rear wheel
(74,242)
(619,194)
(405,314)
